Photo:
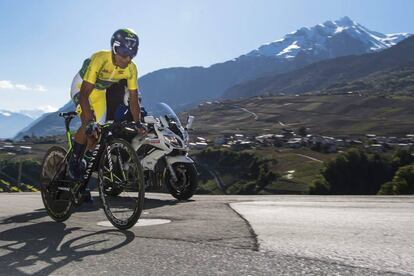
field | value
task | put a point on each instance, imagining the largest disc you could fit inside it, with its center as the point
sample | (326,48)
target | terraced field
(335,115)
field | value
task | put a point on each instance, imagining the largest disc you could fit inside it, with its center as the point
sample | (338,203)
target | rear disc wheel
(58,204)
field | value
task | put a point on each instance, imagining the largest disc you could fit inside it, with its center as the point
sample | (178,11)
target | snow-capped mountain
(12,122)
(328,40)
(388,71)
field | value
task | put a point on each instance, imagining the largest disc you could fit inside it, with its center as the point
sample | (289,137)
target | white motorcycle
(164,153)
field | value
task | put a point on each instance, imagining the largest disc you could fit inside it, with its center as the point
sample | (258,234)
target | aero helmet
(125,42)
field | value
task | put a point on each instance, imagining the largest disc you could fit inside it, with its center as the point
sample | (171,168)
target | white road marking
(140,223)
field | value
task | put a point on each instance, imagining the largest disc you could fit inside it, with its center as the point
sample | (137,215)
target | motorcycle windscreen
(164,111)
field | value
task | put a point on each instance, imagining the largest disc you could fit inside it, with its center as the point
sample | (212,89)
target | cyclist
(88,92)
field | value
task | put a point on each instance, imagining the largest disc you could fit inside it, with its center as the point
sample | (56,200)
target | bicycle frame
(92,164)
(61,194)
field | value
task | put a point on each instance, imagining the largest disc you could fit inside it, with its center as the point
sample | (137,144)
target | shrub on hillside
(319,186)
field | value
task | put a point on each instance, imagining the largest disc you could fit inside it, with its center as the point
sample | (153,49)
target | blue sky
(44,42)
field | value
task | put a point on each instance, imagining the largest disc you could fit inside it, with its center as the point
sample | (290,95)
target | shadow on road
(42,248)
(40,213)
(149,203)
(26,217)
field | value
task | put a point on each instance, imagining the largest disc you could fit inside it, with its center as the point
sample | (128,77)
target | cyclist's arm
(132,84)
(89,77)
(85,91)
(134,105)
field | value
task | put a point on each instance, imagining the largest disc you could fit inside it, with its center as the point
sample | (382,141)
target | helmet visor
(124,51)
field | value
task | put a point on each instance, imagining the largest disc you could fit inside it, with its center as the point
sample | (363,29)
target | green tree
(265,176)
(402,158)
(401,184)
(354,172)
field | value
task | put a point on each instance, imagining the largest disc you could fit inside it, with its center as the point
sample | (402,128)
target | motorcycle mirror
(190,121)
(150,120)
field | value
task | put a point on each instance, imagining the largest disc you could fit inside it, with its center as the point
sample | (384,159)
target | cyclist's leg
(97,100)
(80,137)
(98,104)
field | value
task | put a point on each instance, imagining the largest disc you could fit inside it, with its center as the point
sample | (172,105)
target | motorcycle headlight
(172,140)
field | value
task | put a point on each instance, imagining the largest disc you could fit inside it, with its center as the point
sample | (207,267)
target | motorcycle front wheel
(186,184)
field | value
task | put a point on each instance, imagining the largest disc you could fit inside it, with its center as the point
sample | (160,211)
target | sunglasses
(123,52)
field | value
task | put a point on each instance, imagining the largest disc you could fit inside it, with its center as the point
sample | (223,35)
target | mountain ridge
(321,75)
(49,124)
(313,39)
(12,122)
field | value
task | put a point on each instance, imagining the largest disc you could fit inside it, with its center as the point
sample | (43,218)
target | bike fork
(172,172)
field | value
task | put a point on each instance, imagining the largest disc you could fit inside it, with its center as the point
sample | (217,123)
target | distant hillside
(49,124)
(12,122)
(398,80)
(334,74)
(181,87)
(328,115)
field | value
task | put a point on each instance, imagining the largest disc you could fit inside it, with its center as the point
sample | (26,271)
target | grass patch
(311,106)
(391,109)
(362,126)
(286,186)
(306,173)
(288,160)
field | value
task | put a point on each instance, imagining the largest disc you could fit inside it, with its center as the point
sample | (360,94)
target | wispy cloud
(21,87)
(47,108)
(40,88)
(5,84)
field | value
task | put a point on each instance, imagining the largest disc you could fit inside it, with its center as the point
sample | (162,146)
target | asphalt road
(371,232)
(284,235)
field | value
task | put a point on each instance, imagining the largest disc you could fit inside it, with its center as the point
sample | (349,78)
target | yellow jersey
(100,71)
